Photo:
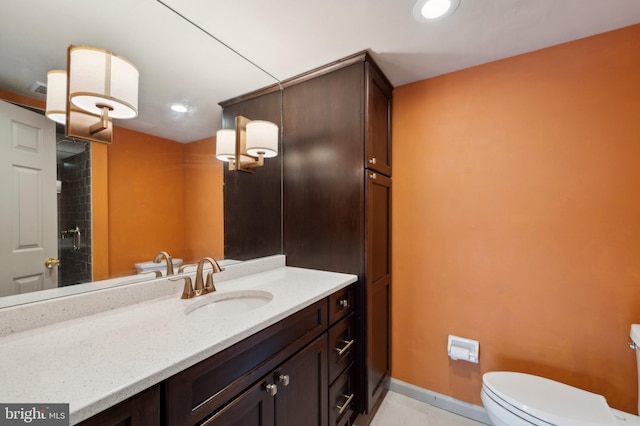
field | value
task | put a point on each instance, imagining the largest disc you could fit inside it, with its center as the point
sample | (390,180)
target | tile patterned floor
(399,410)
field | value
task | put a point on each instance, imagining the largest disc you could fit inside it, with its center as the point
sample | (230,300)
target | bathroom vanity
(178,362)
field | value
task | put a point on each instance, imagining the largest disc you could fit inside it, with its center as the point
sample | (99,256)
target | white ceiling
(179,62)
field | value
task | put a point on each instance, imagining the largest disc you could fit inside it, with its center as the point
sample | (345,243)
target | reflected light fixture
(97,87)
(179,108)
(246,147)
(56,96)
(428,10)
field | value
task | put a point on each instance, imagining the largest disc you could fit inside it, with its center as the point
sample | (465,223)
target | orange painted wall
(203,200)
(146,199)
(517,219)
(100,211)
(163,195)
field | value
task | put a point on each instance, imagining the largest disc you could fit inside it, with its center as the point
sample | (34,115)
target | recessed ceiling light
(428,10)
(179,108)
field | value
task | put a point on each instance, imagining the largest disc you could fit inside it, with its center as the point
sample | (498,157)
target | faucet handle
(185,266)
(201,287)
(187,292)
(156,274)
(208,286)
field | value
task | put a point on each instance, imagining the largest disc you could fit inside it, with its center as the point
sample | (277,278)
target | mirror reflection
(158,186)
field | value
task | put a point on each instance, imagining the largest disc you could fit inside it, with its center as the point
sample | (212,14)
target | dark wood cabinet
(378,303)
(200,391)
(302,387)
(337,198)
(378,121)
(142,409)
(323,161)
(341,395)
(342,338)
(254,407)
(336,135)
(293,394)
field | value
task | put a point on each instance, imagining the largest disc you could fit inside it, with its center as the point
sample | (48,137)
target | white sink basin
(228,303)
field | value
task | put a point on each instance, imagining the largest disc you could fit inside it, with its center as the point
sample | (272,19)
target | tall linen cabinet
(337,198)
(336,205)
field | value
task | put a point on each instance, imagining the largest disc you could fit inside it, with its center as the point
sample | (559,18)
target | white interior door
(28,201)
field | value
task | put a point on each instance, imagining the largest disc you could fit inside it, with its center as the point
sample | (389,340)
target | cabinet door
(378,121)
(255,407)
(303,387)
(378,283)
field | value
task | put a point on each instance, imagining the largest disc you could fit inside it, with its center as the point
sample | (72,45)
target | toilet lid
(550,401)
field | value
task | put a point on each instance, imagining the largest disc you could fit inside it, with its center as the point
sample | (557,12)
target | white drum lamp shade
(98,78)
(262,138)
(57,96)
(226,145)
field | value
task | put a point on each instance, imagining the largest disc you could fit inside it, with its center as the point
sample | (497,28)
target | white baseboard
(471,411)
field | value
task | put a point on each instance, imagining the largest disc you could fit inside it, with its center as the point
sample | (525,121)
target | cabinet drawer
(341,303)
(341,346)
(342,398)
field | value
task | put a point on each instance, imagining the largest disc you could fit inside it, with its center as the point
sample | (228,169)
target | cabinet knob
(372,160)
(344,303)
(284,379)
(373,176)
(344,406)
(272,389)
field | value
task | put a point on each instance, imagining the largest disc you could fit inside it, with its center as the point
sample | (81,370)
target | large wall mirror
(158,186)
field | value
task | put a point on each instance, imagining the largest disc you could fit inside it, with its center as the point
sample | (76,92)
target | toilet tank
(635,338)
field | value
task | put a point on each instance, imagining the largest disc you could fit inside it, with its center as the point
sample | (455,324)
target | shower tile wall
(74,209)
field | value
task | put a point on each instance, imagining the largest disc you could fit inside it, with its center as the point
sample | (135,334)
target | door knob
(50,263)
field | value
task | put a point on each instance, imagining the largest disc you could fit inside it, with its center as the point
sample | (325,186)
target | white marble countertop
(95,361)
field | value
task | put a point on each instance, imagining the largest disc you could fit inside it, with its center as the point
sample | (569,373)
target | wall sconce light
(246,147)
(97,87)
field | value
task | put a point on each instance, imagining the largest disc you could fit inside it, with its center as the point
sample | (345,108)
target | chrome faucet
(159,257)
(202,287)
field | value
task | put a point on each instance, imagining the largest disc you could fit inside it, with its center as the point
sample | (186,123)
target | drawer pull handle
(272,389)
(284,379)
(372,160)
(373,176)
(343,407)
(344,303)
(347,346)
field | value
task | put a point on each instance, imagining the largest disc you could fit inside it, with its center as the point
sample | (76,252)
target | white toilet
(514,399)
